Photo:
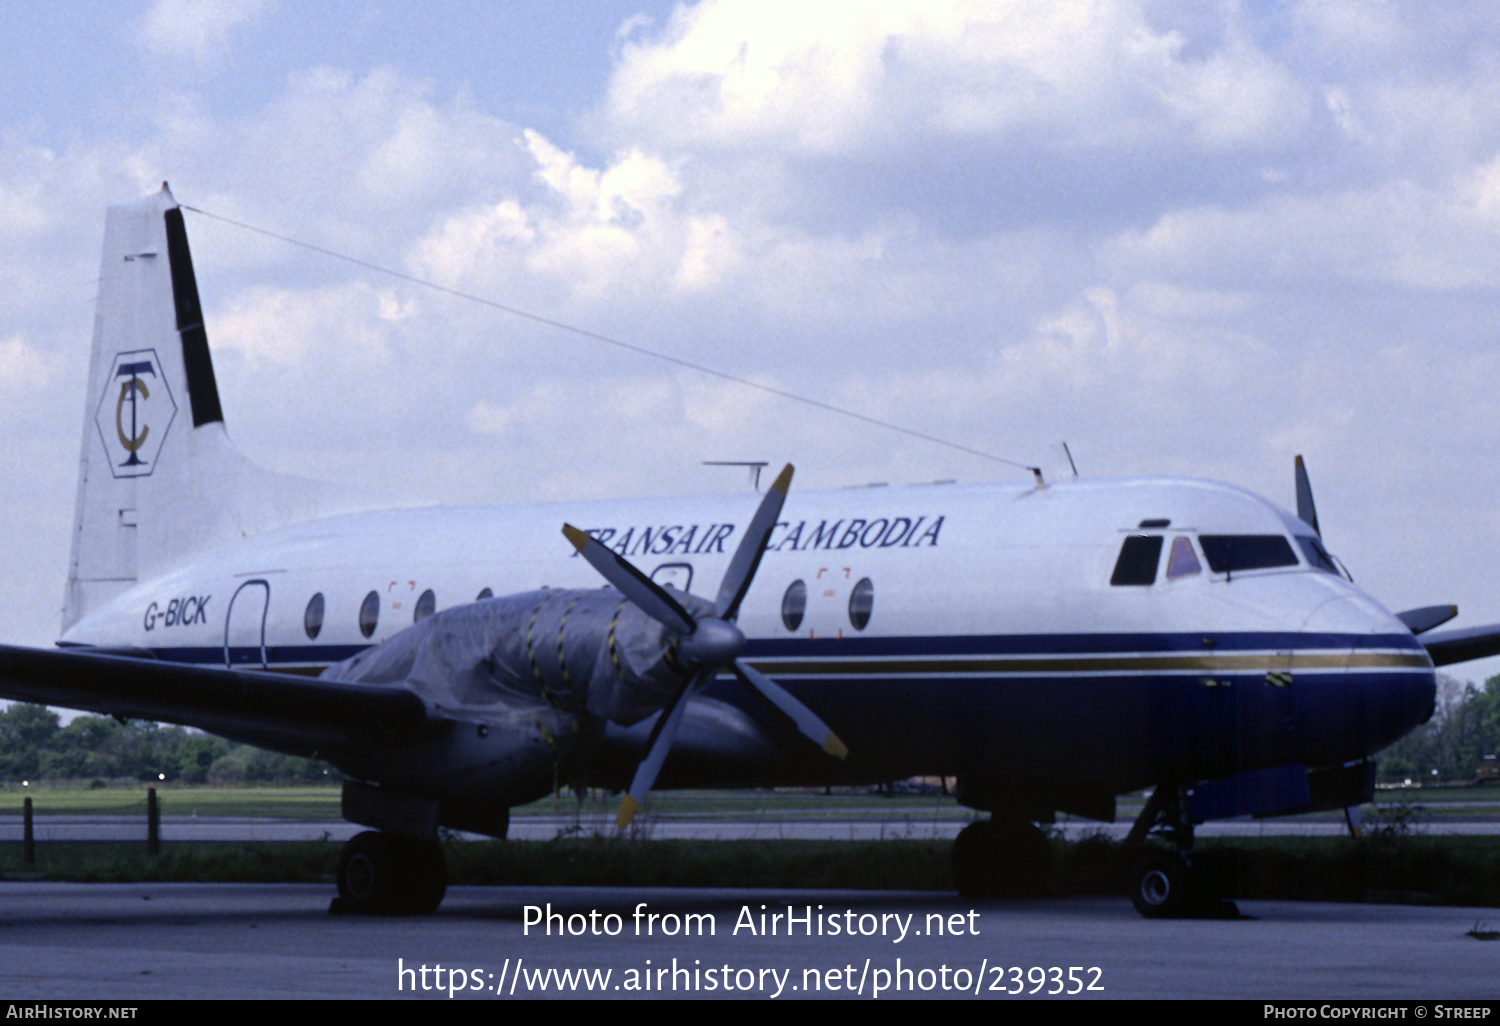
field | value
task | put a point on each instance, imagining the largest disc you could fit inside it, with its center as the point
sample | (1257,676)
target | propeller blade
(1306,511)
(1354,820)
(634,585)
(1425,619)
(656,754)
(807,721)
(752,546)
(709,644)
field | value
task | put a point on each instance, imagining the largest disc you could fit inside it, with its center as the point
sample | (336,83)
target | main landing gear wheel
(381,874)
(1001,859)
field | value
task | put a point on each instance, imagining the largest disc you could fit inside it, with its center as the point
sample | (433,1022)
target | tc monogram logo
(134,413)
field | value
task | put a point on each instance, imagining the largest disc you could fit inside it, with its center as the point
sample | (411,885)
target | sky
(1186,238)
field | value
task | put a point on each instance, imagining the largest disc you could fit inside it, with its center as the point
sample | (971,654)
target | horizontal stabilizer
(1425,619)
(274,710)
(1447,647)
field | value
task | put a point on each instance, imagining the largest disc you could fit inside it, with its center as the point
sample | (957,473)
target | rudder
(158,476)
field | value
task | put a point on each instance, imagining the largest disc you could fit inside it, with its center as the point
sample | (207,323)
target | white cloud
(340,326)
(1397,232)
(196,30)
(874,77)
(21,210)
(21,366)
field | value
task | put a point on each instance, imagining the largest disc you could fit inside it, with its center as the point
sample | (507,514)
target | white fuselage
(995,641)
(943,560)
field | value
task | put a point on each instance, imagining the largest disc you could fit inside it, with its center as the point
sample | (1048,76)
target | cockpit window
(1183,562)
(1317,556)
(1138,560)
(1231,553)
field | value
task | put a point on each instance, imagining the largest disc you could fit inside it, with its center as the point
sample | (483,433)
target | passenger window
(1139,557)
(426,606)
(369,614)
(1183,562)
(794,604)
(312,620)
(1228,553)
(674,575)
(861,604)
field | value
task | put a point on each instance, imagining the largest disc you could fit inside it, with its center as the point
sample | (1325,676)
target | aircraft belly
(1103,708)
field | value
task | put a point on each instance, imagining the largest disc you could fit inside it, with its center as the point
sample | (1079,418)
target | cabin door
(245,626)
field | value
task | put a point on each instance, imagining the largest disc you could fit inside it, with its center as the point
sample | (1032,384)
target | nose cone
(1370,681)
(714,642)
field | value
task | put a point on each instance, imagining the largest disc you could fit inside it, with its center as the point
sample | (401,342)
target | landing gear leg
(1001,858)
(382,874)
(1177,883)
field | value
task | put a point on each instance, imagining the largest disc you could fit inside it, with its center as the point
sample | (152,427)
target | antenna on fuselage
(1069,454)
(755,467)
(619,343)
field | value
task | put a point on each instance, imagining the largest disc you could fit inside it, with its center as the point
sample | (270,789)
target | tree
(25,732)
(33,745)
(1465,727)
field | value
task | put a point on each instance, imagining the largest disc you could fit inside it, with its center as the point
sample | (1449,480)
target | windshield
(1231,553)
(1317,556)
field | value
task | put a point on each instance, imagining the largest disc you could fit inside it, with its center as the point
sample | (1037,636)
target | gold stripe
(1269,661)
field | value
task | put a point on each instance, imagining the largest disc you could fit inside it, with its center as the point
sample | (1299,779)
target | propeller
(705,644)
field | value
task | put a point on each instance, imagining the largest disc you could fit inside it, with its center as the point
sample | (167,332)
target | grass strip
(1437,870)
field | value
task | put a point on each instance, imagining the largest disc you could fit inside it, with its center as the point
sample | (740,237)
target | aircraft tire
(381,874)
(426,877)
(1161,886)
(1001,859)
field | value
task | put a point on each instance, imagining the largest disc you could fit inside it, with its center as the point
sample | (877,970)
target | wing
(295,714)
(1447,647)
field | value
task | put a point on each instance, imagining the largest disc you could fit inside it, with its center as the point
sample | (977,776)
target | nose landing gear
(1177,883)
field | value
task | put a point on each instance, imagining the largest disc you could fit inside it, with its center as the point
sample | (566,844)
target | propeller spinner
(705,644)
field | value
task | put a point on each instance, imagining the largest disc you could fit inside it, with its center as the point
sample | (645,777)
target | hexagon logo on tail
(135,412)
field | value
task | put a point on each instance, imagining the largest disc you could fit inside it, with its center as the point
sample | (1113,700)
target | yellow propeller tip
(577,537)
(834,747)
(628,809)
(783,482)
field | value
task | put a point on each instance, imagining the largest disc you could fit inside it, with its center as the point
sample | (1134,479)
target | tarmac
(142,942)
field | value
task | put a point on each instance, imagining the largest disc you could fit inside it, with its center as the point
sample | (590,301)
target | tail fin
(158,478)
